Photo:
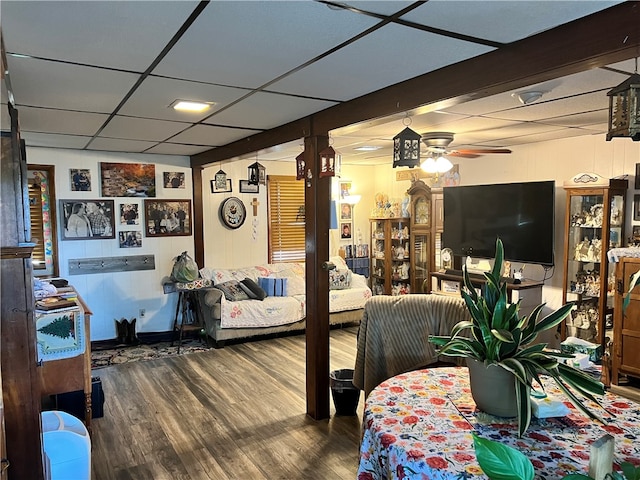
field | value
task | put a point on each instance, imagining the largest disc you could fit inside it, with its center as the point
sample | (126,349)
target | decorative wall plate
(232,212)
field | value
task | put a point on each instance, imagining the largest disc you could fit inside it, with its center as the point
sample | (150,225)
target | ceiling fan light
(443,164)
(429,165)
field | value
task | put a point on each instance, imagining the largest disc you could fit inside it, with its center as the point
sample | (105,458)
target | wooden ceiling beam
(609,36)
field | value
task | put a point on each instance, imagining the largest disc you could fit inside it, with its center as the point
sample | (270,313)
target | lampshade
(624,109)
(406,149)
(352,199)
(436,165)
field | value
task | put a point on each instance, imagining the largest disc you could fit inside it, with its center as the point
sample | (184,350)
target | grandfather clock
(420,235)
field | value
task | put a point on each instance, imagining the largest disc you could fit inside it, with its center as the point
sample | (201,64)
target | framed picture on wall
(345,189)
(636,207)
(345,230)
(128,179)
(246,187)
(167,218)
(173,179)
(129,214)
(130,238)
(345,211)
(216,186)
(87,219)
(80,179)
(637,185)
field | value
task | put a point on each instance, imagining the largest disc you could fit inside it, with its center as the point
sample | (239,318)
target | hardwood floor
(232,413)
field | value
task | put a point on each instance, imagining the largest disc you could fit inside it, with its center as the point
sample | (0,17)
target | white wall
(113,296)
(117,295)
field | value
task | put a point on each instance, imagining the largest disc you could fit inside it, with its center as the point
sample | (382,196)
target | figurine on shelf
(404,272)
(405,206)
(399,252)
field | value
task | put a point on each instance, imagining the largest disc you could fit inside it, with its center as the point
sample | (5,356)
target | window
(286,219)
(42,211)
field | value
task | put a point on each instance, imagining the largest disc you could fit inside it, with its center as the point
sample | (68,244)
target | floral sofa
(230,310)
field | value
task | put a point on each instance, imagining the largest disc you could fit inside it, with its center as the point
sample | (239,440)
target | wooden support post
(317,199)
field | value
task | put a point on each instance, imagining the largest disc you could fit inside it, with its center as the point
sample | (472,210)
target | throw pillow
(252,289)
(275,287)
(339,279)
(232,291)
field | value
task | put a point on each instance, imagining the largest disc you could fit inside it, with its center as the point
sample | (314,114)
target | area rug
(121,355)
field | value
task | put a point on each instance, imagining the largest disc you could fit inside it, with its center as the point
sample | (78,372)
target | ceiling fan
(437,144)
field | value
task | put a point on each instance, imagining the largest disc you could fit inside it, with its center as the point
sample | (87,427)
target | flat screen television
(521,214)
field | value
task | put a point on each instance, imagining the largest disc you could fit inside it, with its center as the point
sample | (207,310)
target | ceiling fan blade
(462,154)
(481,151)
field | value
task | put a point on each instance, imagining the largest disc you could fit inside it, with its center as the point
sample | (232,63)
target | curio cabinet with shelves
(594,223)
(390,256)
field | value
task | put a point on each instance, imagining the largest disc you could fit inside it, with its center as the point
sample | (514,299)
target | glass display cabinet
(390,256)
(420,233)
(594,223)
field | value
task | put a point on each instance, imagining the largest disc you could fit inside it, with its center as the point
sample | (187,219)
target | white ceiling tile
(501,21)
(249,43)
(594,117)
(120,145)
(178,149)
(541,110)
(35,139)
(268,110)
(155,94)
(376,61)
(210,135)
(93,32)
(70,87)
(141,128)
(60,121)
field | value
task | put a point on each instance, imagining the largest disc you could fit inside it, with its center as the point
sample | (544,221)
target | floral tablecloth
(418,425)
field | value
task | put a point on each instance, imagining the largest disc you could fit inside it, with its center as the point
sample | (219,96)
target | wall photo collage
(129,220)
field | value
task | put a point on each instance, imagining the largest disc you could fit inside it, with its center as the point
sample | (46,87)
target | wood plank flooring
(231,413)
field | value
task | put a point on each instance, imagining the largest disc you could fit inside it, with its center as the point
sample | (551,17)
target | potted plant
(500,340)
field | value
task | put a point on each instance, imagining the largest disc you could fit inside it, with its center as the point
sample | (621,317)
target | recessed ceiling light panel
(191,106)
(367,148)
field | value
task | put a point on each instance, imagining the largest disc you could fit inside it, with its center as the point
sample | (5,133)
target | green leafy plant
(501,462)
(498,335)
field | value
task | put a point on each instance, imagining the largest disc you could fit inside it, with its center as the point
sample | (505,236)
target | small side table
(187,316)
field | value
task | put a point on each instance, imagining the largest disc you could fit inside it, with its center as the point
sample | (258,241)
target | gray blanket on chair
(394,335)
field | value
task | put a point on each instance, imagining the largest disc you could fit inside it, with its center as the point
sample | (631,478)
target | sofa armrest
(209,304)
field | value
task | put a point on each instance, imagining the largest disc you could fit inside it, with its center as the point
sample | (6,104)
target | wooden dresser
(71,374)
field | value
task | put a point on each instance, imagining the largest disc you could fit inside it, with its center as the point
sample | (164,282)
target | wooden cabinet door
(626,324)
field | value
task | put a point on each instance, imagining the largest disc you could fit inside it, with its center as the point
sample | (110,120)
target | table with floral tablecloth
(418,425)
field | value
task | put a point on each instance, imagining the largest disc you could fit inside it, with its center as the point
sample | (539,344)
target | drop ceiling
(100,75)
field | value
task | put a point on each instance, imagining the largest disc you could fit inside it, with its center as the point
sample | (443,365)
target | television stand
(528,292)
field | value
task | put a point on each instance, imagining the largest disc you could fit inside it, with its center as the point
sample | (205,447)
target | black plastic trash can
(345,395)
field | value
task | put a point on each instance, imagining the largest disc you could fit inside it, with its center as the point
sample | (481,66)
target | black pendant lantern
(329,158)
(257,174)
(300,166)
(406,149)
(624,109)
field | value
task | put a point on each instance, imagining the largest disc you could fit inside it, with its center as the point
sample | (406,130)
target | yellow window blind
(286,219)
